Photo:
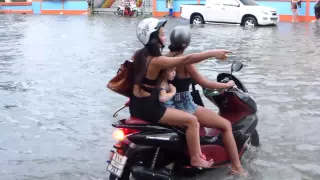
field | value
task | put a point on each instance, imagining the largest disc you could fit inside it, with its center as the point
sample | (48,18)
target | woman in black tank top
(180,39)
(144,103)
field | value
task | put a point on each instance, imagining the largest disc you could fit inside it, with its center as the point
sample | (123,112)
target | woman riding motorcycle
(180,39)
(144,102)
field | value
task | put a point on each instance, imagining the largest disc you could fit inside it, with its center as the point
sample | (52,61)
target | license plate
(117,164)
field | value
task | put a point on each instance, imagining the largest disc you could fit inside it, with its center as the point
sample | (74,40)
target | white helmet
(146,27)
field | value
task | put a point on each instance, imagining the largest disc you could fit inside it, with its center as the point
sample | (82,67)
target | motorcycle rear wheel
(134,160)
(125,175)
(126,171)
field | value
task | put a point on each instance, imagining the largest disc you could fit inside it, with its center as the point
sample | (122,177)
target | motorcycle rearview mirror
(236,66)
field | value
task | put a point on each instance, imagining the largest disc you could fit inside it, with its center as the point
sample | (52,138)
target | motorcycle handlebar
(225,80)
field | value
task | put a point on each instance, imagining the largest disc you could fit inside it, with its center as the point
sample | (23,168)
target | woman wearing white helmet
(144,103)
(180,39)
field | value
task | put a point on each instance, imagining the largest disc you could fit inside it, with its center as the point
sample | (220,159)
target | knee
(227,126)
(193,122)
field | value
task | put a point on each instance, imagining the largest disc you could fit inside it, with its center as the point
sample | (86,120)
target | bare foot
(238,170)
(210,162)
(203,156)
(199,162)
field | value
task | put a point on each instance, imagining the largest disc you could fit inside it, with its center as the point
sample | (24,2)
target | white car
(243,12)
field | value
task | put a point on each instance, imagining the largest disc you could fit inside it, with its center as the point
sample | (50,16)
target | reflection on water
(56,111)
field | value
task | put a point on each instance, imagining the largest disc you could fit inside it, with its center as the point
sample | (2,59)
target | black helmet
(180,38)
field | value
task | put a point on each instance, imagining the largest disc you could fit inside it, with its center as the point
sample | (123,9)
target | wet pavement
(55,111)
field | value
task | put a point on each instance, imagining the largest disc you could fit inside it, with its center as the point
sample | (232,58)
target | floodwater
(55,109)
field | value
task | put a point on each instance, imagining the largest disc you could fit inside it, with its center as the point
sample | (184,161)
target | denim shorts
(169,104)
(182,101)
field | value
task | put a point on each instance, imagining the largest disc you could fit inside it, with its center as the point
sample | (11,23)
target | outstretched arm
(164,62)
(202,81)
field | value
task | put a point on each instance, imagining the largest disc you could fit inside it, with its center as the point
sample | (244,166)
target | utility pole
(92,6)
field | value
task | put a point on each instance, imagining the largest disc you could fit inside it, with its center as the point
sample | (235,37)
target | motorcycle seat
(136,121)
(204,132)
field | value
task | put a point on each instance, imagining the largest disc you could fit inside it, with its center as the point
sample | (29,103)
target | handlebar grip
(225,80)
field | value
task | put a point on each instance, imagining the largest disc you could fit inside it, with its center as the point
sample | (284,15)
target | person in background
(294,8)
(170,6)
(317,10)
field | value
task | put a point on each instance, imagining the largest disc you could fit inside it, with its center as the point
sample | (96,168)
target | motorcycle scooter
(128,10)
(159,152)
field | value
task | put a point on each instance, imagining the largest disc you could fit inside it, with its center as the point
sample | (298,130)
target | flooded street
(56,112)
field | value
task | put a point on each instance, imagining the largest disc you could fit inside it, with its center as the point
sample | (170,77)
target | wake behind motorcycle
(155,151)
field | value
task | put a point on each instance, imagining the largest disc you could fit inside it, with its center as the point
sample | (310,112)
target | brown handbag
(122,83)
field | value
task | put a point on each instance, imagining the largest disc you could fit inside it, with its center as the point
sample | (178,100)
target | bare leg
(208,118)
(293,16)
(176,117)
(296,15)
(293,19)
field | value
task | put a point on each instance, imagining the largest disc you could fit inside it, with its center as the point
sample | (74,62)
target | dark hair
(173,48)
(141,60)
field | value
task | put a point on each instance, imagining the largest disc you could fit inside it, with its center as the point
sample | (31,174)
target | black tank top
(182,85)
(151,83)
(145,81)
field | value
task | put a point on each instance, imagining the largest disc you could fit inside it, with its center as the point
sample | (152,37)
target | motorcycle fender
(134,149)
(246,125)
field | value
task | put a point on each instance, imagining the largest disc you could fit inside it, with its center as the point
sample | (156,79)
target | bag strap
(146,70)
(193,86)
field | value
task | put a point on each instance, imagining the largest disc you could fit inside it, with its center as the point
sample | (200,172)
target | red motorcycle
(144,150)
(128,10)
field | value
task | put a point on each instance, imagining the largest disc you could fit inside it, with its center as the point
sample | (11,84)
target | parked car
(243,12)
